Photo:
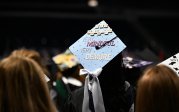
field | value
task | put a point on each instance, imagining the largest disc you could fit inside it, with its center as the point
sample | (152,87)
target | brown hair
(33,54)
(158,90)
(23,87)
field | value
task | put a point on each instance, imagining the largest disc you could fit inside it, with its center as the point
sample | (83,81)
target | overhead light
(93,3)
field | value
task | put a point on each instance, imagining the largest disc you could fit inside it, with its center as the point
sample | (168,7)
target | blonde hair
(23,87)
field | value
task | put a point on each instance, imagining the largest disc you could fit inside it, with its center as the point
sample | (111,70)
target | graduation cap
(94,50)
(130,62)
(65,60)
(97,47)
(172,63)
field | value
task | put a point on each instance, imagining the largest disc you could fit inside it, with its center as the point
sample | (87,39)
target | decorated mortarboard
(172,63)
(130,62)
(97,47)
(94,50)
(65,60)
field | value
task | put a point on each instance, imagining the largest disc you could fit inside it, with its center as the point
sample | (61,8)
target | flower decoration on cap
(65,60)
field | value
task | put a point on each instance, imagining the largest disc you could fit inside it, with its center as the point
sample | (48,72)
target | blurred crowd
(49,81)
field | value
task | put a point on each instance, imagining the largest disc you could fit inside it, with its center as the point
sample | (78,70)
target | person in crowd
(158,90)
(68,70)
(118,94)
(67,78)
(59,91)
(33,54)
(23,87)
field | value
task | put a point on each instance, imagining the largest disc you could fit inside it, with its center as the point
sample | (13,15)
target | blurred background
(149,29)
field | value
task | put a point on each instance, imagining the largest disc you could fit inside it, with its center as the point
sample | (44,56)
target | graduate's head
(32,54)
(115,66)
(158,90)
(27,53)
(23,86)
(113,72)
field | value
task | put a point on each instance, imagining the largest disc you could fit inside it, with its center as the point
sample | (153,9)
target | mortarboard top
(97,47)
(172,63)
(131,59)
(130,62)
(65,60)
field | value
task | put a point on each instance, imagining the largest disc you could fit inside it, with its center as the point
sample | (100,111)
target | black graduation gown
(115,95)
(115,100)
